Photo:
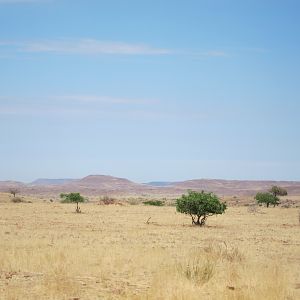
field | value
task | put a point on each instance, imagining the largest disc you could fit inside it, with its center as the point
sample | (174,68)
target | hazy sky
(150,90)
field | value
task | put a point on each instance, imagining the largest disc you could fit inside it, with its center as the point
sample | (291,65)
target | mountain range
(97,185)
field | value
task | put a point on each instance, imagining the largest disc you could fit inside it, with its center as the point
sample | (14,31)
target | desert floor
(111,252)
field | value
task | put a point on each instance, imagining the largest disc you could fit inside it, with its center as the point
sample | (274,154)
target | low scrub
(197,270)
(17,200)
(106,200)
(154,202)
(133,201)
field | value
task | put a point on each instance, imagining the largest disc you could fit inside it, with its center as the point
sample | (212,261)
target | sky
(150,90)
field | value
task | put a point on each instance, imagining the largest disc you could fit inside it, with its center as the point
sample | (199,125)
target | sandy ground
(111,252)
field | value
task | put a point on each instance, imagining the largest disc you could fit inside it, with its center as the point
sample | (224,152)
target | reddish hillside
(90,185)
(101,184)
(236,187)
(6,185)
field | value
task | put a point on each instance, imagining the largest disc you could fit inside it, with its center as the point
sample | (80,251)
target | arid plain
(111,252)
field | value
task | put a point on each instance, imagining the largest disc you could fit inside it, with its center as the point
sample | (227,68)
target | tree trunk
(202,223)
(268,204)
(200,220)
(193,220)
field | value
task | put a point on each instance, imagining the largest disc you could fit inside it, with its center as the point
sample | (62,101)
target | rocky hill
(96,185)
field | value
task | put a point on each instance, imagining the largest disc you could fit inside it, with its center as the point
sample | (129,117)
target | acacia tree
(267,198)
(200,206)
(72,198)
(278,191)
(14,191)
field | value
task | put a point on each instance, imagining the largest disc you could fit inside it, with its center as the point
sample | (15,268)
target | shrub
(154,202)
(17,200)
(252,208)
(198,269)
(133,201)
(278,191)
(200,206)
(266,198)
(106,200)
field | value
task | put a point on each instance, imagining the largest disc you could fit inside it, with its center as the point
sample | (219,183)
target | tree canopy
(72,198)
(267,198)
(278,191)
(199,206)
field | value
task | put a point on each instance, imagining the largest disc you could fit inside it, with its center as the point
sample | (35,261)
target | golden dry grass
(109,252)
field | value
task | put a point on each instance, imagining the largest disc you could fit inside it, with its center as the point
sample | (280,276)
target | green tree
(267,198)
(72,198)
(278,191)
(200,206)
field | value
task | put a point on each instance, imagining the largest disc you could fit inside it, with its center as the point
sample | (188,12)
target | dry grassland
(110,252)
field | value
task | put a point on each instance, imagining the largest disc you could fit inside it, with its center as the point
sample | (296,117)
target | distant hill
(5,185)
(92,185)
(105,183)
(236,187)
(160,183)
(47,181)
(97,185)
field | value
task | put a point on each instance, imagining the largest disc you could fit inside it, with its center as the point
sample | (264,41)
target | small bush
(17,200)
(197,270)
(154,202)
(133,201)
(106,200)
(252,208)
(171,203)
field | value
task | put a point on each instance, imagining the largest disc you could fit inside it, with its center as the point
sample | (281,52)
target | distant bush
(278,191)
(154,202)
(106,200)
(133,201)
(17,200)
(252,208)
(266,198)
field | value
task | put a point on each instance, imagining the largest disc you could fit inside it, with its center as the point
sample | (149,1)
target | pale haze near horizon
(150,90)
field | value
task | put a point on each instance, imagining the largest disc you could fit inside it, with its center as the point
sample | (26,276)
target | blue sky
(150,90)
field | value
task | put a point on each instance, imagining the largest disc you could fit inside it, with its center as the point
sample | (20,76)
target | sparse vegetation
(14,191)
(72,198)
(200,206)
(17,200)
(278,191)
(43,255)
(267,198)
(154,202)
(133,201)
(271,197)
(106,200)
(252,208)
